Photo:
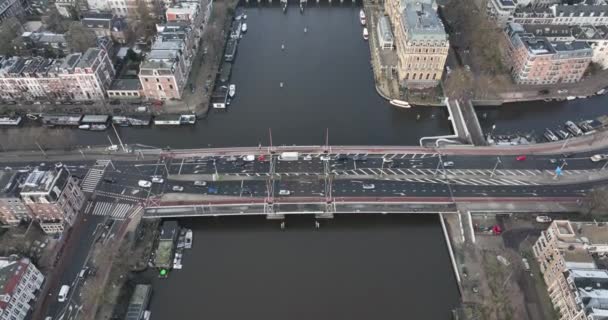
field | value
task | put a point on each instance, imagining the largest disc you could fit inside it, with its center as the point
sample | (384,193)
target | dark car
(360,158)
(341,157)
(109,180)
(543,91)
(89,102)
(114,102)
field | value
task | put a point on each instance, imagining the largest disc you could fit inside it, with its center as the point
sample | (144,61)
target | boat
(244,27)
(586,126)
(573,128)
(601,92)
(84,126)
(228,102)
(232,90)
(237,18)
(188,244)
(362,17)
(365,34)
(562,134)
(400,103)
(550,136)
(187,119)
(244,17)
(570,98)
(98,127)
(10,121)
(284,7)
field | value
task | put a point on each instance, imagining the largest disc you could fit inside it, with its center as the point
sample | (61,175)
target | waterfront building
(12,209)
(54,198)
(20,280)
(11,8)
(385,34)
(536,60)
(75,77)
(500,11)
(566,253)
(164,72)
(125,89)
(572,15)
(420,39)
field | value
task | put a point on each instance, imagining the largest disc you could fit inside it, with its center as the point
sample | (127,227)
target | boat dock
(219,98)
(230,52)
(225,72)
(61,120)
(134,120)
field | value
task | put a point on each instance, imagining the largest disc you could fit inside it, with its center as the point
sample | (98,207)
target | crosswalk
(91,180)
(470,181)
(116,210)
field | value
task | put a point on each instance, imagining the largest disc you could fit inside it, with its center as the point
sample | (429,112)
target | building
(537,61)
(98,5)
(54,198)
(567,254)
(68,8)
(385,34)
(597,38)
(20,280)
(11,8)
(550,31)
(188,13)
(42,44)
(125,89)
(128,8)
(139,302)
(75,77)
(164,71)
(421,42)
(106,25)
(500,11)
(572,15)
(12,209)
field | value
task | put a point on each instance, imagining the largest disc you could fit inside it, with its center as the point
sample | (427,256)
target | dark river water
(358,268)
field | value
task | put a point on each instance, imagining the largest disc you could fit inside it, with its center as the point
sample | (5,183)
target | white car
(369,186)
(144,183)
(249,158)
(113,147)
(63,293)
(284,192)
(307,157)
(325,157)
(447,164)
(599,157)
(178,188)
(543,219)
(200,183)
(157,179)
(58,165)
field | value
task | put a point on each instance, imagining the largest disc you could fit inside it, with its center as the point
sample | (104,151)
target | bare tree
(80,38)
(9,30)
(145,26)
(55,22)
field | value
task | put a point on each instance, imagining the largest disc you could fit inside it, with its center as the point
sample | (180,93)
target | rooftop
(43,182)
(420,22)
(126,84)
(11,271)
(138,302)
(548,30)
(10,182)
(89,57)
(593,233)
(385,28)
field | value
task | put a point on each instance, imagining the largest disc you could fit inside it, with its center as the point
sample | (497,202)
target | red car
(520,158)
(261,158)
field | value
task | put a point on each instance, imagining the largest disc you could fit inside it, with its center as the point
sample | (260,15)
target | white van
(63,293)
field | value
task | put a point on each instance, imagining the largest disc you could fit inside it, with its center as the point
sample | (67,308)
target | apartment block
(42,43)
(54,198)
(500,11)
(105,25)
(75,77)
(186,12)
(572,15)
(12,209)
(20,281)
(164,72)
(420,39)
(11,8)
(537,61)
(569,255)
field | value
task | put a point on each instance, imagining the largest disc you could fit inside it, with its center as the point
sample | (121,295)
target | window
(157,80)
(146,79)
(160,87)
(171,86)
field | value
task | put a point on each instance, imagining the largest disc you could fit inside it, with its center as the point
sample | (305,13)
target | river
(363,267)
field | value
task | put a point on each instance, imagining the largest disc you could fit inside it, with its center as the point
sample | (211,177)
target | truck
(288,156)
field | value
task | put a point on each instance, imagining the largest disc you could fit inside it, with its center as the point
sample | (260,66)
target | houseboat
(10,121)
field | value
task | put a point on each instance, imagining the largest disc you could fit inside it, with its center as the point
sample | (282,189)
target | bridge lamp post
(498,161)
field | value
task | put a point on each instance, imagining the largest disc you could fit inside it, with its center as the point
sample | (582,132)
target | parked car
(521,158)
(284,192)
(212,190)
(307,157)
(177,188)
(144,183)
(447,164)
(325,157)
(360,158)
(369,186)
(200,183)
(599,157)
(249,158)
(543,219)
(157,179)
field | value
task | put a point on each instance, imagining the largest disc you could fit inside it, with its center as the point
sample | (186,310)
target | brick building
(20,280)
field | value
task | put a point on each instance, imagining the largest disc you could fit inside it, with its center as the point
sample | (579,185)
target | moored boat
(10,121)
(244,27)
(84,126)
(188,243)
(362,17)
(400,103)
(365,34)
(232,90)
(98,127)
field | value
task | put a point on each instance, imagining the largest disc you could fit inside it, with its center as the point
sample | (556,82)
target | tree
(55,22)
(9,31)
(596,202)
(80,38)
(145,25)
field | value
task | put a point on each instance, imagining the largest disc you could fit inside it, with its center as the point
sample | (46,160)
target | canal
(364,267)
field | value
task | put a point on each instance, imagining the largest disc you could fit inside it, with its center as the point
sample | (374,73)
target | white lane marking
(519,171)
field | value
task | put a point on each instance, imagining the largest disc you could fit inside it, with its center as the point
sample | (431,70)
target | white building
(19,282)
(500,11)
(572,15)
